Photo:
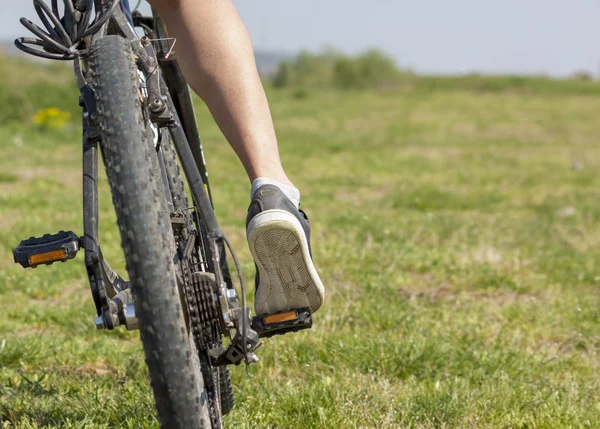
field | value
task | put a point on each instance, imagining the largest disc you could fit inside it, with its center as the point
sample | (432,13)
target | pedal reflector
(281,317)
(282,323)
(44,258)
(47,249)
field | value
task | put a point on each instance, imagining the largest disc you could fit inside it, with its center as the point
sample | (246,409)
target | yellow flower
(51,118)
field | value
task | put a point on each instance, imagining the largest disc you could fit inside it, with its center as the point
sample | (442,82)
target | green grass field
(456,230)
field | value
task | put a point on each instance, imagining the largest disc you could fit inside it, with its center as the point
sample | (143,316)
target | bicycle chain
(210,339)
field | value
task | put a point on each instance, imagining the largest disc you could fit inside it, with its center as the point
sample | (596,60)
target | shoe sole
(288,277)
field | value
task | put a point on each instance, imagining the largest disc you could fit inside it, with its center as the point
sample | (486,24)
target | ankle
(270,171)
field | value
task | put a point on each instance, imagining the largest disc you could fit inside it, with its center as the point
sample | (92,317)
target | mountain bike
(137,113)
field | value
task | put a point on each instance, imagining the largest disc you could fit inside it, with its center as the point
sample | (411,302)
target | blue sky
(555,37)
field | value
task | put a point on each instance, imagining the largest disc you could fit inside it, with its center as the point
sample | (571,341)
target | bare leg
(217,59)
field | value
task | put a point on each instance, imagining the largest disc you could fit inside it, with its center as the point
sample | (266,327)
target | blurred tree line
(330,68)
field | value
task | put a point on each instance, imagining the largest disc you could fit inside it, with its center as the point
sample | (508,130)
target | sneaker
(279,238)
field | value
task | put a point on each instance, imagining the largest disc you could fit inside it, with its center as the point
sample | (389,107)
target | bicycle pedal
(47,250)
(282,323)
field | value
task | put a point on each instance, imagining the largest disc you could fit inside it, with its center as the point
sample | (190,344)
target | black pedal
(282,323)
(47,250)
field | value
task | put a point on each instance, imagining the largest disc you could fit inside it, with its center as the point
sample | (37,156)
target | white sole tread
(288,277)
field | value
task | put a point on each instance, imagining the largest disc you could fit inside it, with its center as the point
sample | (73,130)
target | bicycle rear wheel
(147,237)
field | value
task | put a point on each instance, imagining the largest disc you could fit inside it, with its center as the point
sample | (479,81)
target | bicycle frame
(91,138)
(169,98)
(167,102)
(168,112)
(70,38)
